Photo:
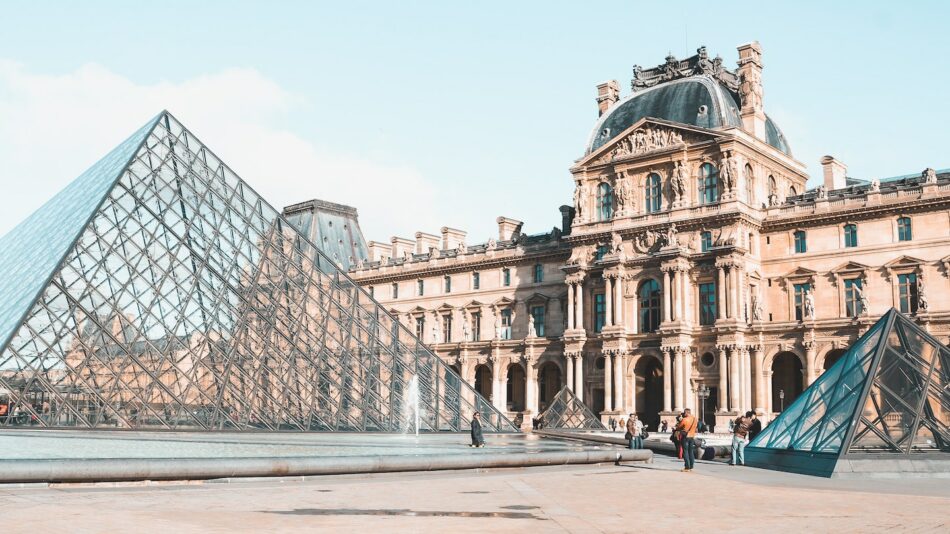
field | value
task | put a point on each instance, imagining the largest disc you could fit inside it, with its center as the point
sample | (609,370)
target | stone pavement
(604,498)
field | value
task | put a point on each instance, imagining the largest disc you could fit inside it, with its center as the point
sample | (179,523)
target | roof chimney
(608,93)
(836,173)
(508,228)
(426,241)
(452,238)
(750,89)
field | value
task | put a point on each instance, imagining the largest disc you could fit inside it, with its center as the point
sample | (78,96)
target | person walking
(687,427)
(739,433)
(755,428)
(612,423)
(478,440)
(622,424)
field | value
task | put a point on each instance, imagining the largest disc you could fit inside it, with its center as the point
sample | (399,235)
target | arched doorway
(833,356)
(549,383)
(516,383)
(787,380)
(483,381)
(648,377)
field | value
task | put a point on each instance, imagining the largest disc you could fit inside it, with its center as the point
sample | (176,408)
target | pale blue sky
(481,107)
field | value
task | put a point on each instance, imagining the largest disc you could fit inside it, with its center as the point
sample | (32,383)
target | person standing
(639,433)
(755,428)
(687,427)
(612,423)
(739,433)
(478,440)
(632,436)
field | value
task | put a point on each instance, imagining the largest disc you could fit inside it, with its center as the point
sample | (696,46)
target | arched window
(749,184)
(792,192)
(605,201)
(850,235)
(773,187)
(649,297)
(653,193)
(904,231)
(708,183)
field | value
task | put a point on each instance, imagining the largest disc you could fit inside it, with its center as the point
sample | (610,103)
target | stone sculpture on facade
(531,330)
(670,237)
(757,311)
(922,303)
(678,182)
(643,140)
(809,304)
(466,326)
(875,186)
(616,244)
(929,175)
(580,196)
(492,244)
(750,90)
(862,299)
(461,248)
(623,194)
(821,192)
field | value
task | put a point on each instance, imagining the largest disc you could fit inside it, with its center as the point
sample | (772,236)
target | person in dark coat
(756,427)
(478,440)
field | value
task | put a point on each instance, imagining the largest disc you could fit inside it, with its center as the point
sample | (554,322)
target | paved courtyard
(604,498)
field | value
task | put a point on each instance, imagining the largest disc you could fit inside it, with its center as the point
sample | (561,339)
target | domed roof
(697,100)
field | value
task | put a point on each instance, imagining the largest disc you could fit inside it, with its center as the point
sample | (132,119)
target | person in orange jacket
(687,428)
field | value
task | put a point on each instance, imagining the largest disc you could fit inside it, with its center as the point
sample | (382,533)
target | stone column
(619,367)
(687,356)
(734,379)
(618,301)
(579,300)
(608,383)
(667,382)
(743,378)
(531,386)
(608,302)
(678,384)
(723,381)
(569,370)
(497,383)
(810,353)
(768,393)
(758,375)
(570,306)
(721,293)
(579,377)
(666,296)
(681,293)
(747,363)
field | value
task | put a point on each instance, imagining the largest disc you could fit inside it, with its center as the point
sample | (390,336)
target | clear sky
(427,114)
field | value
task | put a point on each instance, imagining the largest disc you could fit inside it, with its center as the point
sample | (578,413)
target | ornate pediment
(673,69)
(645,137)
(799,273)
(850,267)
(904,261)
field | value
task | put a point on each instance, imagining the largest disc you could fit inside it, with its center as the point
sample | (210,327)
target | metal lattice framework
(566,411)
(158,290)
(890,393)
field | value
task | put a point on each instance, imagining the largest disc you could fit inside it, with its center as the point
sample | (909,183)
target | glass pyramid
(158,291)
(567,412)
(889,394)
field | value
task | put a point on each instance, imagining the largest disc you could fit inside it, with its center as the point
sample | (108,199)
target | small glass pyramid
(158,291)
(567,412)
(888,395)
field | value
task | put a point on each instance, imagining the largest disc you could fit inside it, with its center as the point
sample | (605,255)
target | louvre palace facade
(693,268)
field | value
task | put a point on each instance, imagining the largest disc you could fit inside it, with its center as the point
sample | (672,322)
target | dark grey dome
(697,100)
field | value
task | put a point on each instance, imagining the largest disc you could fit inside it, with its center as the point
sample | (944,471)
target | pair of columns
(614,365)
(677,370)
(675,284)
(613,295)
(499,386)
(729,289)
(741,380)
(575,305)
(575,374)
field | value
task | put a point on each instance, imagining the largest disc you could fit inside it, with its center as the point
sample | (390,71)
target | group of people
(744,429)
(684,438)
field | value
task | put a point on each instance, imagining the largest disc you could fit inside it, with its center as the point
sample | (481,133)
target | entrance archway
(648,376)
(549,383)
(483,381)
(516,383)
(787,380)
(833,356)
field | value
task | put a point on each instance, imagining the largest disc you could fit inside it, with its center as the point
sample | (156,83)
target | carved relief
(624,195)
(750,90)
(642,141)
(673,69)
(678,181)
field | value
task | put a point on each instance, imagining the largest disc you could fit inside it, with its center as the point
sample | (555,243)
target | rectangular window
(601,252)
(506,277)
(372,291)
(706,241)
(420,327)
(852,297)
(446,328)
(801,246)
(476,326)
(537,312)
(600,312)
(506,323)
(538,273)
(850,236)
(395,291)
(707,303)
(420,287)
(907,292)
(476,280)
(800,290)
(904,232)
(447,281)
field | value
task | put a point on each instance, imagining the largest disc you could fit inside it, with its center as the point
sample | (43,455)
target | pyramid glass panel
(159,291)
(567,412)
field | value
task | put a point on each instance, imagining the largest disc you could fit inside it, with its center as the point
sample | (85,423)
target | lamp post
(781,398)
(702,392)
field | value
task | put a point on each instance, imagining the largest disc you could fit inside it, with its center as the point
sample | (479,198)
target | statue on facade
(461,248)
(434,252)
(616,244)
(492,244)
(466,327)
(821,192)
(360,264)
(929,176)
(875,186)
(922,303)
(678,181)
(726,167)
(750,89)
(671,236)
(622,193)
(531,331)
(580,194)
(757,312)
(809,304)
(435,331)
(862,299)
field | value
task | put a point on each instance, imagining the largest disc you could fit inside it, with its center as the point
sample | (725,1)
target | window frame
(447,283)
(905,226)
(852,304)
(650,313)
(506,277)
(420,287)
(705,241)
(600,311)
(653,193)
(800,241)
(538,321)
(395,290)
(605,201)
(708,307)
(798,299)
(850,235)
(538,273)
(476,280)
(708,183)
(907,281)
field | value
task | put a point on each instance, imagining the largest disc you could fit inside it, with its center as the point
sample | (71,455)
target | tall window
(705,241)
(708,183)
(749,184)
(600,252)
(476,325)
(653,195)
(907,292)
(447,328)
(649,297)
(707,303)
(850,235)
(372,291)
(420,287)
(506,323)
(600,312)
(773,187)
(605,201)
(420,327)
(476,280)
(800,290)
(538,313)
(447,282)
(801,245)
(395,291)
(538,273)
(904,232)
(852,301)
(791,191)
(506,277)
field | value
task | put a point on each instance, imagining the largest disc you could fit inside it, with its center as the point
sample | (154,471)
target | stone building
(693,268)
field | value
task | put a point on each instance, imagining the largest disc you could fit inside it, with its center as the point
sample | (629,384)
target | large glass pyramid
(567,412)
(888,395)
(158,290)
